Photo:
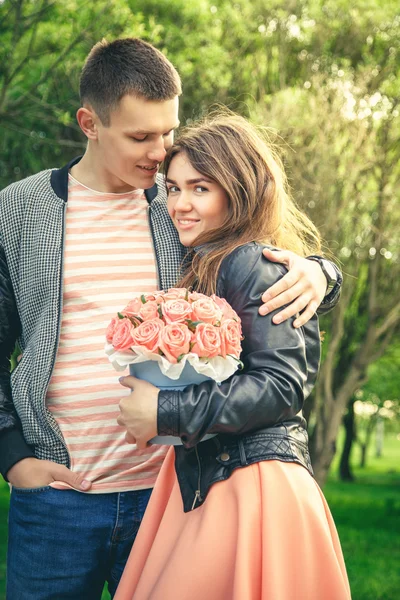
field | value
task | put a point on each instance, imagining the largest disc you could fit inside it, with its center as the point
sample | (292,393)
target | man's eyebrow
(192,181)
(144,132)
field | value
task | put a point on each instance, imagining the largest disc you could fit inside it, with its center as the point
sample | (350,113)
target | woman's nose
(183,202)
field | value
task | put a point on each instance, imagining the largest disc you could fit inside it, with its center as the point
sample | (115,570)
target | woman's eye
(172,188)
(200,189)
(135,139)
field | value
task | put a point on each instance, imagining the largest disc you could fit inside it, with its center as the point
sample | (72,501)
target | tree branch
(391,321)
(60,58)
(48,141)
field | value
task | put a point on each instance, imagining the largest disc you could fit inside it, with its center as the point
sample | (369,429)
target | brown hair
(126,66)
(228,149)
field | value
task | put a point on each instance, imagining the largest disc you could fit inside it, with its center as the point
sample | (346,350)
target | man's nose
(158,152)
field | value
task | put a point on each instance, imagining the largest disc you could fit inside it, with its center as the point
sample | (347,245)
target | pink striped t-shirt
(108,260)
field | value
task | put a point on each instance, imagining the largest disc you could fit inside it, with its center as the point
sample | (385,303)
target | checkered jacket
(32,222)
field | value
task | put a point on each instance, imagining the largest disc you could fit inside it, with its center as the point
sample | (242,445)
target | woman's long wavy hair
(228,149)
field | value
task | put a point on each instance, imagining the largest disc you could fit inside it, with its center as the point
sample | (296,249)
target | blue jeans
(66,544)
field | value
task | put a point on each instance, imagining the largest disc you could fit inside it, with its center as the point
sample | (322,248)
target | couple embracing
(78,242)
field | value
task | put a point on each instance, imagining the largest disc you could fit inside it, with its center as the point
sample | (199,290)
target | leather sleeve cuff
(168,413)
(13,448)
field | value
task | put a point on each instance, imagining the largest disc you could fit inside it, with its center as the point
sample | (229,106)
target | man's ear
(88,121)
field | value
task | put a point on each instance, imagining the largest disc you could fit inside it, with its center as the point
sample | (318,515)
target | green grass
(367,515)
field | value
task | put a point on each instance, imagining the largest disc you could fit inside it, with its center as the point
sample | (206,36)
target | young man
(76,244)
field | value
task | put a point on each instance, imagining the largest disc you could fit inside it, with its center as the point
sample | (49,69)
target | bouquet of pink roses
(175,328)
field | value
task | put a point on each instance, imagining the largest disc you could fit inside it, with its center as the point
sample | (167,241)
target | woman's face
(196,203)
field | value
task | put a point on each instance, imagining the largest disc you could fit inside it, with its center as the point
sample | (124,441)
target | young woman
(239,516)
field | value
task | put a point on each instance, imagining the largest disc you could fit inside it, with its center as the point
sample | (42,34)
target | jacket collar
(59,182)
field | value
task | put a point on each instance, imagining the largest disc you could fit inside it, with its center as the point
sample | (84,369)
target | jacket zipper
(197,496)
(154,248)
(60,305)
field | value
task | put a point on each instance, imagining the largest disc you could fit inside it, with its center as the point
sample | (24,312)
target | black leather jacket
(256,412)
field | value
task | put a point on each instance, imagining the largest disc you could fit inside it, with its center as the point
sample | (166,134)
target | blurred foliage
(322,73)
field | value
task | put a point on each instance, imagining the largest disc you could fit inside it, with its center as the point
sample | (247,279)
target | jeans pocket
(34,490)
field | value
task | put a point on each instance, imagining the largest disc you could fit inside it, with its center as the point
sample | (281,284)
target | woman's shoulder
(250,255)
(246,262)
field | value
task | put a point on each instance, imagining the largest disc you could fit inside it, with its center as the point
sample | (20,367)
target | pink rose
(147,334)
(227,310)
(175,294)
(149,311)
(176,311)
(206,310)
(111,328)
(207,340)
(132,308)
(193,296)
(174,341)
(231,336)
(157,296)
(122,338)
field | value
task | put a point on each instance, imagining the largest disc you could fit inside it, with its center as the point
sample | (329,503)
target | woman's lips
(187,223)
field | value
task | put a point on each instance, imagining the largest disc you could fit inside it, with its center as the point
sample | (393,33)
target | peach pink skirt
(264,534)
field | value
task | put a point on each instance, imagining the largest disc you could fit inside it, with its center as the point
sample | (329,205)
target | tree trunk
(323,443)
(363,459)
(350,429)
(365,445)
(308,407)
(329,412)
(336,395)
(380,430)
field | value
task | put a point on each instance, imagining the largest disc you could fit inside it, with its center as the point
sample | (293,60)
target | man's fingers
(281,256)
(61,473)
(306,315)
(278,288)
(285,296)
(293,309)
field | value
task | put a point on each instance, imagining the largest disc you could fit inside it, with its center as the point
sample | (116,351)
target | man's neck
(89,172)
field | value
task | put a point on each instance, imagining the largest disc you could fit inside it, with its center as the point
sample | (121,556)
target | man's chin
(149,185)
(141,184)
(146,182)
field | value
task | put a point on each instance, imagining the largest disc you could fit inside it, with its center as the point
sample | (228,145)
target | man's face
(131,149)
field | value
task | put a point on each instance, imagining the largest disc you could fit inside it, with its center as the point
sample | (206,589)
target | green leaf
(192,324)
(135,320)
(143,299)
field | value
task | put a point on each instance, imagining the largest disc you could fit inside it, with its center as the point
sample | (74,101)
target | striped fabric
(108,260)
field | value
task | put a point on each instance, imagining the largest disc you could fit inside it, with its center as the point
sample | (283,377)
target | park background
(324,76)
